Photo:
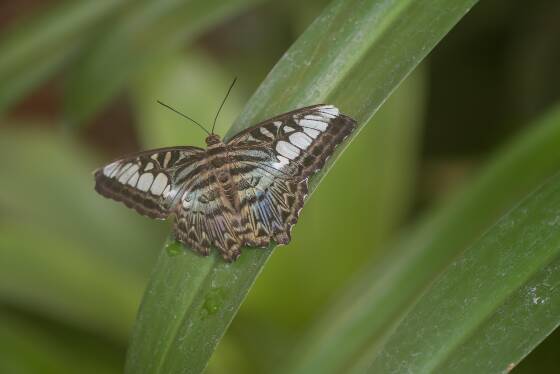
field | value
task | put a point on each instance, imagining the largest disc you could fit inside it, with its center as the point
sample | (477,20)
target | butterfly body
(247,191)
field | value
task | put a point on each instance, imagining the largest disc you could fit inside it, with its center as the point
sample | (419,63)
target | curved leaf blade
(493,304)
(373,212)
(311,71)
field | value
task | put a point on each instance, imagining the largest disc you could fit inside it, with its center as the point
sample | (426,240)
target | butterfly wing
(150,182)
(272,161)
(270,206)
(301,140)
(205,218)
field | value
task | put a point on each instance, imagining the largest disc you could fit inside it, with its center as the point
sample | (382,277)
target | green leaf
(354,55)
(388,149)
(40,45)
(127,48)
(378,299)
(493,304)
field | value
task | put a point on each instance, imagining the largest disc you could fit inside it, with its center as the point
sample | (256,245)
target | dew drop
(213,301)
(174,248)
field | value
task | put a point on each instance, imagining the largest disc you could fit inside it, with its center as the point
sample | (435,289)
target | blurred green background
(78,87)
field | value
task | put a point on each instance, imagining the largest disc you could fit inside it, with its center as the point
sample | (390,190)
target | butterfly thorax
(222,185)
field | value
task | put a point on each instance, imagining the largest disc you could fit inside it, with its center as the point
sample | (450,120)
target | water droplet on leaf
(214,300)
(174,249)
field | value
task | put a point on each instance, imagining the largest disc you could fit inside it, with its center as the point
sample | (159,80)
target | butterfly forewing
(150,182)
(298,143)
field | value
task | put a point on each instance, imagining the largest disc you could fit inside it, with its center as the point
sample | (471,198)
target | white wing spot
(132,181)
(159,184)
(131,169)
(154,156)
(311,132)
(300,140)
(329,109)
(277,124)
(312,124)
(316,117)
(145,181)
(282,161)
(288,129)
(110,169)
(266,133)
(122,169)
(166,191)
(167,158)
(287,150)
(149,166)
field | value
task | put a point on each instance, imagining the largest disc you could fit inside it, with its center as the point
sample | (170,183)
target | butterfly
(246,191)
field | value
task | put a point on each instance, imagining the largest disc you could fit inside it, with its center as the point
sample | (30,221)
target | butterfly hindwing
(270,206)
(150,181)
(204,218)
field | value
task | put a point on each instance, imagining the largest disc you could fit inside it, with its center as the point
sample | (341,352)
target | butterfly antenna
(183,115)
(223,102)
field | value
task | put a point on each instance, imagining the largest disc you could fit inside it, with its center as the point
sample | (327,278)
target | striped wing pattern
(299,142)
(267,168)
(247,191)
(150,182)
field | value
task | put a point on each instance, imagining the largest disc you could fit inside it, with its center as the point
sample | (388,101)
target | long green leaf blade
(493,304)
(375,208)
(354,55)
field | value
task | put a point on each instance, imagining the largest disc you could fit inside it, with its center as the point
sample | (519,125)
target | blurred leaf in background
(38,45)
(78,85)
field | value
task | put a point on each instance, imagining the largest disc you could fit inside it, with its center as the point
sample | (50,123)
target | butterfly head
(213,139)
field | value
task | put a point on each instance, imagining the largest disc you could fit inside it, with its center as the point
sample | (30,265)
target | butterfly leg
(230,253)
